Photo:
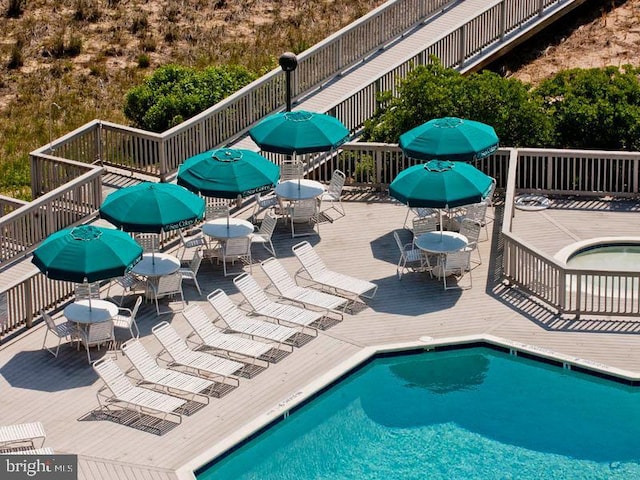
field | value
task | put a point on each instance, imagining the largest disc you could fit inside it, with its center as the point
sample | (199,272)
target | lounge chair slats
(288,289)
(280,312)
(21,433)
(140,399)
(182,355)
(236,320)
(152,373)
(213,337)
(30,451)
(318,273)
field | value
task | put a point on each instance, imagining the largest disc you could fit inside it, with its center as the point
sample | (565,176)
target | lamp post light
(288,62)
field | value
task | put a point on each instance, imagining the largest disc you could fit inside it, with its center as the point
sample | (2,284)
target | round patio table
(441,242)
(299,190)
(101,311)
(223,228)
(156,265)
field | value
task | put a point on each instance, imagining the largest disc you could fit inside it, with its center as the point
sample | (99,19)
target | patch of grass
(88,74)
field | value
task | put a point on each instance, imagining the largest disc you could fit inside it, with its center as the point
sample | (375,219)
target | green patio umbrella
(227,173)
(450,138)
(86,254)
(299,132)
(152,207)
(440,184)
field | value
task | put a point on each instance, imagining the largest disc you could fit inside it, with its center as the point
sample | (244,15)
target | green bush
(596,108)
(174,93)
(433,91)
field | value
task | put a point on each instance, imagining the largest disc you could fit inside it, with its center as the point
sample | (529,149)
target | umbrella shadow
(39,370)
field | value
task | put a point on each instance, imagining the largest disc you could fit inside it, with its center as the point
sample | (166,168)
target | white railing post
(503,19)
(462,45)
(540,7)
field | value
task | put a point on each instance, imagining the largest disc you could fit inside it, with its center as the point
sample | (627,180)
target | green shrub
(433,91)
(144,61)
(596,108)
(174,93)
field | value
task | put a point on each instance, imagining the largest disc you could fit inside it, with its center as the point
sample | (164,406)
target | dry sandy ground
(610,36)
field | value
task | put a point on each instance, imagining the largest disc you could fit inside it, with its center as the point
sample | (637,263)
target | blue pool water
(468,414)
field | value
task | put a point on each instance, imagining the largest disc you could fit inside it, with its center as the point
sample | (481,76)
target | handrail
(231,118)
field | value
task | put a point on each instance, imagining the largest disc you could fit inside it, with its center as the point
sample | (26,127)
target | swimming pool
(473,413)
(616,257)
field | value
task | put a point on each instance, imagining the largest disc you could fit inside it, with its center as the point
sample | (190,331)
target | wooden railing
(161,154)
(578,173)
(26,226)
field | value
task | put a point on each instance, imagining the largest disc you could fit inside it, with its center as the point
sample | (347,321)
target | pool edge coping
(565,252)
(294,399)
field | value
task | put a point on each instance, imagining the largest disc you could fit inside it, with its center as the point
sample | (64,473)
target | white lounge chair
(288,289)
(200,363)
(280,313)
(340,283)
(22,435)
(236,320)
(29,451)
(210,336)
(125,394)
(171,381)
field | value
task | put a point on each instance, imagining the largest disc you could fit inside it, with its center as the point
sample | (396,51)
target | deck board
(61,392)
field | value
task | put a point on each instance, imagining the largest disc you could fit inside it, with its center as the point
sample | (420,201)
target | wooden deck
(60,392)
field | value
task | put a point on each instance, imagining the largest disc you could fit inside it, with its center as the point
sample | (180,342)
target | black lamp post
(288,62)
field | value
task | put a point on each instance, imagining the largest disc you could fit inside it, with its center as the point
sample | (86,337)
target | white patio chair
(191,243)
(129,284)
(190,272)
(477,213)
(66,330)
(86,291)
(22,435)
(168,285)
(334,192)
(291,170)
(170,381)
(411,258)
(264,234)
(304,212)
(126,318)
(97,334)
(212,337)
(471,229)
(419,212)
(217,210)
(280,313)
(424,225)
(233,249)
(150,242)
(237,321)
(264,202)
(317,273)
(288,289)
(199,363)
(457,264)
(126,395)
